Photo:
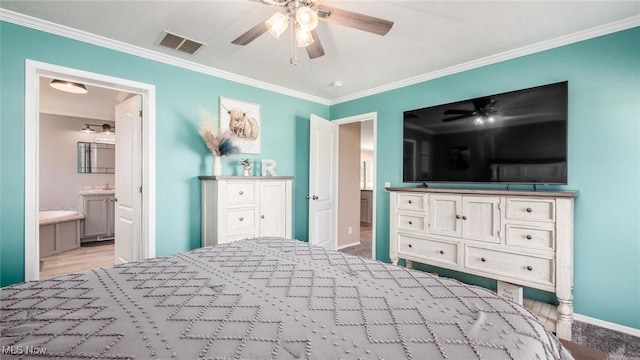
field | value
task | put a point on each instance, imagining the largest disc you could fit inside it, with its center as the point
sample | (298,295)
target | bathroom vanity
(98,208)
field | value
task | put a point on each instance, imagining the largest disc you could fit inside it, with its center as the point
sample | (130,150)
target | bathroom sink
(98,192)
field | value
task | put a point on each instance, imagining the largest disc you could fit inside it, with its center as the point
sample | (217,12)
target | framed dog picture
(242,119)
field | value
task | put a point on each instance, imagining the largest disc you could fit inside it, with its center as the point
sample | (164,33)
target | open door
(323,191)
(128,200)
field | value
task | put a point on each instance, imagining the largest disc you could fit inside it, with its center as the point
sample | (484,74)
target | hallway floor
(364,249)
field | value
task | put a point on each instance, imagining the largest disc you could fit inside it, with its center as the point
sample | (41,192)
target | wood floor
(78,260)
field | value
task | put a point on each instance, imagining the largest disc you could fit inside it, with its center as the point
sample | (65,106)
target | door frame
(372,116)
(33,71)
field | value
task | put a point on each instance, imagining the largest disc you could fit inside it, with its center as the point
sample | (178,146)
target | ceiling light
(491,119)
(277,24)
(307,19)
(336,84)
(303,38)
(68,86)
(478,121)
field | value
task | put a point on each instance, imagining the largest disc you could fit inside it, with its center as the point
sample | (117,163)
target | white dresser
(521,237)
(241,207)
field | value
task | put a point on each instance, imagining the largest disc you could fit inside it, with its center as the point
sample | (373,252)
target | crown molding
(68,32)
(83,36)
(493,59)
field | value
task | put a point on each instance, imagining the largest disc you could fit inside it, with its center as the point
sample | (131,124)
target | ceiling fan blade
(355,20)
(455,118)
(458,112)
(251,34)
(315,50)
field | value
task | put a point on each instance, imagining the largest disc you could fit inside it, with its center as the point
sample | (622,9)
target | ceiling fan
(303,16)
(483,110)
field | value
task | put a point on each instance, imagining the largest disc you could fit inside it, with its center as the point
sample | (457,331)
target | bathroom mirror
(96,158)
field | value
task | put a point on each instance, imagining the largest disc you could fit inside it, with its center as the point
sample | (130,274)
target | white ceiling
(428,37)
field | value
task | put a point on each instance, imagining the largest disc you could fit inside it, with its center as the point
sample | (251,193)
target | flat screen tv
(514,137)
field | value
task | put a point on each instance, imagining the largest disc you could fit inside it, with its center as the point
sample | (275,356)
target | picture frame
(243,120)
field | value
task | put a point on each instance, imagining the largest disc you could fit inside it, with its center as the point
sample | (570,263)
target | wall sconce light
(106,129)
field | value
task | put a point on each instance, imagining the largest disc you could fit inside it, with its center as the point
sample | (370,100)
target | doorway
(35,71)
(356,184)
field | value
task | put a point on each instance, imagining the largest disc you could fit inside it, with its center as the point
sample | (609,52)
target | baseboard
(607,325)
(349,245)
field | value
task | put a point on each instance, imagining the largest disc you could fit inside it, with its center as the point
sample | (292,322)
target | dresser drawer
(241,192)
(530,237)
(516,266)
(532,210)
(412,202)
(241,220)
(408,222)
(439,251)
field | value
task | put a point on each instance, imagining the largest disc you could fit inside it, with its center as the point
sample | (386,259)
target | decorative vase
(247,171)
(217,166)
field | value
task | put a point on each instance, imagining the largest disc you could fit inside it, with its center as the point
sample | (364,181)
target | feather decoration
(220,144)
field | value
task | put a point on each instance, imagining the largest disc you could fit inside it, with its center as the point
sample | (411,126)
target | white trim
(607,325)
(33,71)
(79,35)
(493,59)
(373,116)
(68,32)
(348,245)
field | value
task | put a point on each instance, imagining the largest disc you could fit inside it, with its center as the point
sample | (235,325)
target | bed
(268,298)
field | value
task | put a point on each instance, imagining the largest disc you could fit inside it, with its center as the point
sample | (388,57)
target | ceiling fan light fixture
(307,18)
(68,86)
(277,24)
(478,121)
(303,38)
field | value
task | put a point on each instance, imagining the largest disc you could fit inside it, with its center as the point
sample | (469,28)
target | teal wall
(604,156)
(180,153)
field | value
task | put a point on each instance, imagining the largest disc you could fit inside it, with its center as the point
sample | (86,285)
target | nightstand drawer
(439,251)
(515,266)
(412,202)
(411,223)
(530,237)
(241,192)
(532,210)
(241,220)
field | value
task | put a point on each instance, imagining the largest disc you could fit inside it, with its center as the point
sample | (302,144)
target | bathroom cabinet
(99,217)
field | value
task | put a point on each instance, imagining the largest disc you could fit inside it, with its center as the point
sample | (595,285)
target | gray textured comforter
(265,299)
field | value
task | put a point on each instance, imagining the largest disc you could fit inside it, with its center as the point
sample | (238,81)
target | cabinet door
(273,208)
(445,215)
(481,218)
(111,218)
(96,210)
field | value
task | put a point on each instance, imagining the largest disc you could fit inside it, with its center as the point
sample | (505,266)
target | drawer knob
(441,252)
(483,259)
(457,216)
(410,222)
(410,245)
(241,219)
(410,202)
(529,237)
(529,267)
(241,192)
(464,218)
(529,210)
(261,216)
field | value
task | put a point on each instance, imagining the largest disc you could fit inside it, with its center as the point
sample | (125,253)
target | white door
(323,177)
(128,200)
(273,216)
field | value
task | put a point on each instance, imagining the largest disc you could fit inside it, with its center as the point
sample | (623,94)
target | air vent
(180,43)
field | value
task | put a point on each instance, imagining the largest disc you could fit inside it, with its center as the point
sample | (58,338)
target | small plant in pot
(247,166)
